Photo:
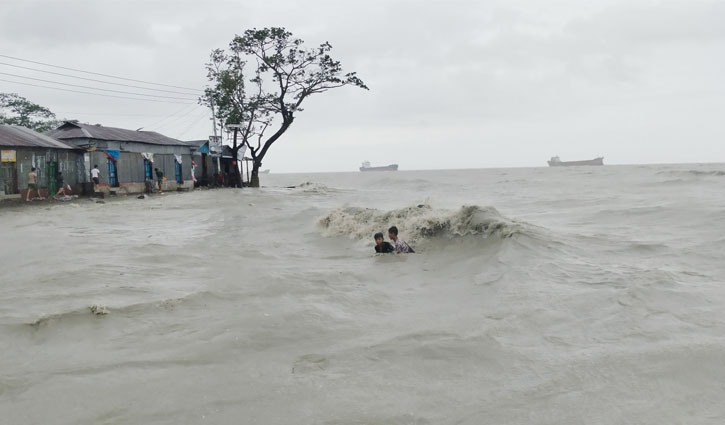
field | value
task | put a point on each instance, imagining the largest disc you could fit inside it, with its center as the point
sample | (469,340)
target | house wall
(211,164)
(130,165)
(68,161)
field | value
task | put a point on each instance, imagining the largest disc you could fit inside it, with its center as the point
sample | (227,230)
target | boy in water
(400,246)
(381,246)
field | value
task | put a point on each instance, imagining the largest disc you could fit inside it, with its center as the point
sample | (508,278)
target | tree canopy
(17,110)
(261,81)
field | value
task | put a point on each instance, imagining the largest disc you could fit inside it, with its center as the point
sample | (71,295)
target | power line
(95,94)
(105,114)
(192,125)
(178,120)
(159,125)
(92,79)
(98,73)
(95,88)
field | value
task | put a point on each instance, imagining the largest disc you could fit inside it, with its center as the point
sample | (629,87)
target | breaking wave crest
(131,310)
(422,222)
(689,173)
(707,173)
(312,187)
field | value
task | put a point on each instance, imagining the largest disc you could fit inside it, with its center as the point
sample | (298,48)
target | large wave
(421,222)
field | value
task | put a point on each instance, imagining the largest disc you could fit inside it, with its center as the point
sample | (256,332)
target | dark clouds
(506,82)
(59,24)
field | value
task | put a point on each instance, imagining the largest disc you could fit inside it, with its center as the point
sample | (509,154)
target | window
(147,169)
(179,180)
(112,177)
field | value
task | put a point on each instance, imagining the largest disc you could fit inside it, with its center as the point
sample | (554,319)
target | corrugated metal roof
(196,143)
(16,136)
(75,130)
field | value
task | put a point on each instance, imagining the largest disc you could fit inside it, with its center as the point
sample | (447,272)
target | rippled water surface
(589,295)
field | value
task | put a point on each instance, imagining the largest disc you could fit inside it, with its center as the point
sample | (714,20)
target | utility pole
(235,152)
(213,117)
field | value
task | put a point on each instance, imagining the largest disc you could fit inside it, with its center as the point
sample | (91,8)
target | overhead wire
(175,119)
(165,117)
(93,79)
(98,73)
(96,88)
(193,123)
(97,94)
(106,114)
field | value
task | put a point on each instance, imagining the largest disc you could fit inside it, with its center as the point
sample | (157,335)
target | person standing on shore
(401,247)
(96,177)
(32,184)
(160,179)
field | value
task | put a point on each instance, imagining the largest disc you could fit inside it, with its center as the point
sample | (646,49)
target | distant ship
(366,167)
(264,171)
(556,162)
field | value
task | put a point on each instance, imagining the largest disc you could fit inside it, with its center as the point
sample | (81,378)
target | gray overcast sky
(455,84)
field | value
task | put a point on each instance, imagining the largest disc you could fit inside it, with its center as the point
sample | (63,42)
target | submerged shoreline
(586,296)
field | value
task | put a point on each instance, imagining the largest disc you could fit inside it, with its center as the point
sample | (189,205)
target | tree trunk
(255,173)
(236,175)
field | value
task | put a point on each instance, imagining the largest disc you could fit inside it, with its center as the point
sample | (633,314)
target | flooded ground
(549,296)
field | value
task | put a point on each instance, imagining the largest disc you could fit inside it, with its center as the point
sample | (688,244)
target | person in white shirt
(95,175)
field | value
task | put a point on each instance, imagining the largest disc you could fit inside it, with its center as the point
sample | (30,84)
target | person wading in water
(381,246)
(401,247)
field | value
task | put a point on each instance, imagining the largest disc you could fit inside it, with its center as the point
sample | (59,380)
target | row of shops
(127,159)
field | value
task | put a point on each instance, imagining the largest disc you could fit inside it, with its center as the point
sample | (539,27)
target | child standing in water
(400,246)
(381,246)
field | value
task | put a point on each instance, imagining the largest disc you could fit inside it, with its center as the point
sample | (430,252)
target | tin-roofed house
(127,158)
(206,161)
(21,149)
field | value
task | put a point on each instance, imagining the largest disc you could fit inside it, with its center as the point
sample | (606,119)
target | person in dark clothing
(63,189)
(160,179)
(381,246)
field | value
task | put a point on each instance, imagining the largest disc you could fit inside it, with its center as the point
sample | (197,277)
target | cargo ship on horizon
(366,167)
(556,162)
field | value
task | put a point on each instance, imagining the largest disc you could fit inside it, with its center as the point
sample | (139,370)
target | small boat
(264,171)
(556,162)
(366,167)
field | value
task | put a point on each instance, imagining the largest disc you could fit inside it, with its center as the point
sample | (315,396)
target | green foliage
(17,110)
(262,80)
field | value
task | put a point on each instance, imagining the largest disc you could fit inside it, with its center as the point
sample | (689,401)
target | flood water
(588,295)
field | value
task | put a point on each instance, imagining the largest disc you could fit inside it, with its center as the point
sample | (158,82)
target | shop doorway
(9,176)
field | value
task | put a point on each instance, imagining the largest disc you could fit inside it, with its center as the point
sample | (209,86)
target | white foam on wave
(312,187)
(419,223)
